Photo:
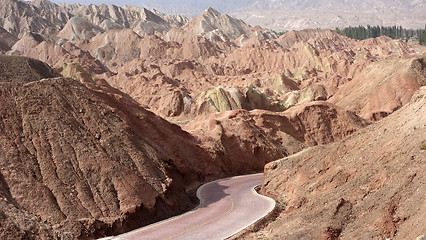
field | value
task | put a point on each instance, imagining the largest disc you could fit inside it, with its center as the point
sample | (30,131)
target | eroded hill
(81,161)
(368,185)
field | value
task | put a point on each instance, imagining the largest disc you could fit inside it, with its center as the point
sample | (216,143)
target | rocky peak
(221,27)
(211,12)
(79,28)
(43,4)
(150,16)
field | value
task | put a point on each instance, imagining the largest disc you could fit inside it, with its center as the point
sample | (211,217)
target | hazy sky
(98,2)
(175,6)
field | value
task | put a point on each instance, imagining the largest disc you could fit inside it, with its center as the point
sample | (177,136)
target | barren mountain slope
(382,87)
(370,185)
(306,58)
(88,161)
(111,17)
(78,28)
(47,18)
(56,53)
(210,52)
(213,48)
(23,69)
(244,138)
(215,27)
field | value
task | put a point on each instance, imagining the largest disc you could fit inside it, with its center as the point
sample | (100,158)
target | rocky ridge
(216,49)
(259,136)
(47,18)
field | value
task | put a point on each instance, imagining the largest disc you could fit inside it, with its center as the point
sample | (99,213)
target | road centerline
(200,225)
(226,207)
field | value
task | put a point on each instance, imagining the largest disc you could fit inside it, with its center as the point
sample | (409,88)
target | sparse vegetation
(279,33)
(393,32)
(281,205)
(423,146)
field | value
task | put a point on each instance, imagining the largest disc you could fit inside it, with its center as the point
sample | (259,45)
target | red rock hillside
(369,185)
(382,87)
(247,140)
(79,163)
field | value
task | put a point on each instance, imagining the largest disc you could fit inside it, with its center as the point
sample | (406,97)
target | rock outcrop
(136,51)
(87,154)
(19,17)
(222,27)
(47,19)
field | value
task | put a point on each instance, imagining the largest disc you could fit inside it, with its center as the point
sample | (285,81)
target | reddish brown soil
(22,69)
(82,163)
(247,140)
(382,87)
(369,185)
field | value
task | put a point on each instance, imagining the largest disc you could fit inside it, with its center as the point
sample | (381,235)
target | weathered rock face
(87,161)
(18,17)
(47,18)
(369,185)
(141,20)
(249,139)
(235,137)
(224,99)
(218,27)
(75,71)
(316,122)
(379,90)
(55,54)
(78,28)
(27,42)
(100,164)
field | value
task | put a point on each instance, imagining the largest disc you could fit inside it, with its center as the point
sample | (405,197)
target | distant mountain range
(192,8)
(300,14)
(296,14)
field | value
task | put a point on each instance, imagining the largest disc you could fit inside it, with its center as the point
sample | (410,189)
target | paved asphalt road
(227,207)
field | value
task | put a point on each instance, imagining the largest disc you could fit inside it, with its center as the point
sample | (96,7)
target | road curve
(227,206)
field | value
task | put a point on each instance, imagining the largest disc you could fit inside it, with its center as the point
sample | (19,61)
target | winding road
(227,206)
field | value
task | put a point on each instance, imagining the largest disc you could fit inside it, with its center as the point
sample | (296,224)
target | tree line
(393,32)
